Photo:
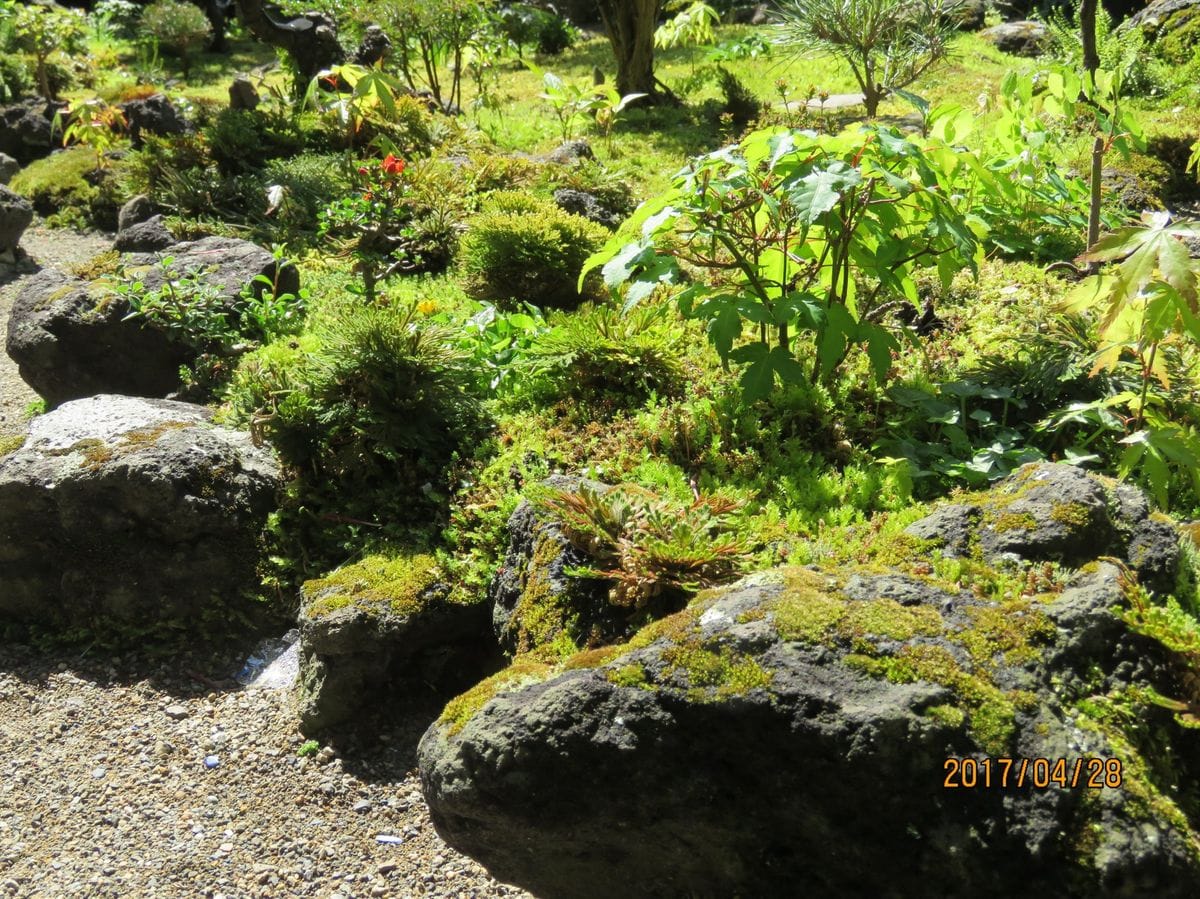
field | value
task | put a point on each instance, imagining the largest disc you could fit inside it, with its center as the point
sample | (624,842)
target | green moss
(61,186)
(521,673)
(990,712)
(1012,521)
(397,584)
(106,263)
(950,715)
(631,675)
(543,614)
(1011,630)
(715,668)
(810,613)
(97,453)
(10,444)
(1075,516)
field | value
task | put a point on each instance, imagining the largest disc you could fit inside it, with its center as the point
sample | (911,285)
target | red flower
(363,170)
(392,165)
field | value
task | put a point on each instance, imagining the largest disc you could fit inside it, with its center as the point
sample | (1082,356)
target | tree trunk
(1087,34)
(630,26)
(310,39)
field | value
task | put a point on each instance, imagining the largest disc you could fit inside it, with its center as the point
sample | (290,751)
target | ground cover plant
(650,253)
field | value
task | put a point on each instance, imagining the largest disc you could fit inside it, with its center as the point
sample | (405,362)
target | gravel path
(105,790)
(46,248)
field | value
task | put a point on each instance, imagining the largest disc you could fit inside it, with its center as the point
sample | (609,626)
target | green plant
(43,30)
(178,26)
(784,229)
(1148,304)
(524,25)
(97,126)
(308,748)
(569,102)
(242,140)
(888,44)
(435,35)
(118,18)
(189,307)
(649,546)
(602,362)
(370,411)
(1120,50)
(693,25)
(524,249)
(379,219)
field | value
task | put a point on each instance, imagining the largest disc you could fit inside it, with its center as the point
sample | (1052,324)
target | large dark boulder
(15,216)
(71,338)
(382,630)
(27,129)
(789,735)
(131,513)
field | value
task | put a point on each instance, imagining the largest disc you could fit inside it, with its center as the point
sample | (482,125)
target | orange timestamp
(1039,773)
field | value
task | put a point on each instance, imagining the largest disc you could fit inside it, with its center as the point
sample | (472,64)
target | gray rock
(533,598)
(242,94)
(571,152)
(731,750)
(135,211)
(8,168)
(587,205)
(369,632)
(133,512)
(144,237)
(1048,512)
(71,339)
(16,214)
(949,526)
(1018,38)
(967,15)
(155,115)
(26,129)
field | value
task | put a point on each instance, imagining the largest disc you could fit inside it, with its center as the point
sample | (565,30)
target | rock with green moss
(1046,512)
(382,629)
(789,735)
(537,604)
(133,517)
(1173,26)
(73,338)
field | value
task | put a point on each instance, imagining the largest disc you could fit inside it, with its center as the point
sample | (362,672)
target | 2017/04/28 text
(1040,773)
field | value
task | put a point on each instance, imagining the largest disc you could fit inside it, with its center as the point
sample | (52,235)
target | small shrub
(524,26)
(370,412)
(888,44)
(15,78)
(241,140)
(42,31)
(650,547)
(179,27)
(601,362)
(524,249)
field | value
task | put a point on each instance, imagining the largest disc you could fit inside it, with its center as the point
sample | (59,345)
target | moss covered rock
(1173,26)
(1047,512)
(381,629)
(537,606)
(789,735)
(132,516)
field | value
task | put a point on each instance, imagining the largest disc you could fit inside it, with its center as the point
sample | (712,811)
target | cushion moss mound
(724,748)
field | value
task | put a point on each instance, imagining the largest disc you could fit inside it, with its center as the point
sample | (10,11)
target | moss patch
(543,615)
(97,453)
(397,584)
(714,672)
(521,673)
(10,444)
